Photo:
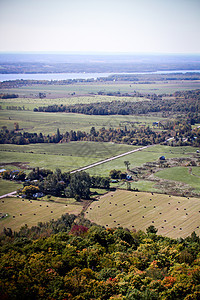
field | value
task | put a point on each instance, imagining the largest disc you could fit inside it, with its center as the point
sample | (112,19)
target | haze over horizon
(100,26)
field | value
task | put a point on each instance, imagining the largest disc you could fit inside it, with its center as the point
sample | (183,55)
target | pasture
(172,216)
(31,103)
(66,156)
(60,91)
(8,186)
(73,155)
(182,174)
(23,211)
(138,158)
(47,123)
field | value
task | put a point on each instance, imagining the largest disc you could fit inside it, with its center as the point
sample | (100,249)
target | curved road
(109,159)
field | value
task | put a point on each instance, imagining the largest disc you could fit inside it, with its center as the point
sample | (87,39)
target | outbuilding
(162,157)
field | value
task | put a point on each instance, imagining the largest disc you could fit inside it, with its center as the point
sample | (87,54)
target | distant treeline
(133,78)
(181,130)
(124,107)
(166,106)
(180,102)
(8,96)
(137,136)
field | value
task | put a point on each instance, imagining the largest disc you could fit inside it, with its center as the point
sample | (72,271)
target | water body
(65,76)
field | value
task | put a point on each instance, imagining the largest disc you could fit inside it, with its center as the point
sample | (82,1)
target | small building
(38,195)
(155,123)
(128,177)
(162,157)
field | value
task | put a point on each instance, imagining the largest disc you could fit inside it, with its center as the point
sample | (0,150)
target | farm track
(8,195)
(110,159)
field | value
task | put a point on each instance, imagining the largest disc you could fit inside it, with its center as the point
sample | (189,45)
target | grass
(181,174)
(142,185)
(141,157)
(8,186)
(127,209)
(47,123)
(53,91)
(31,103)
(70,156)
(196,171)
(67,157)
(32,212)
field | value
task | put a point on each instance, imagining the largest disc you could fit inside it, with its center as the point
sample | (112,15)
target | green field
(44,211)
(67,156)
(56,91)
(139,209)
(31,103)
(47,123)
(138,158)
(182,174)
(141,185)
(8,186)
(73,155)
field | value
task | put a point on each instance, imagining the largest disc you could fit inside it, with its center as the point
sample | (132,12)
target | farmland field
(32,212)
(47,123)
(138,158)
(31,103)
(8,186)
(67,156)
(74,155)
(182,174)
(70,156)
(172,216)
(59,91)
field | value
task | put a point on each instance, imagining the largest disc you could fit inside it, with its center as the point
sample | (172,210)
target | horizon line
(98,53)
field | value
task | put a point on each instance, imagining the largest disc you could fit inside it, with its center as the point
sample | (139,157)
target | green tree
(115,174)
(151,229)
(127,164)
(30,190)
(16,126)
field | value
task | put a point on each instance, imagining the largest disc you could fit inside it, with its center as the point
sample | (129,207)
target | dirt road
(110,159)
(9,194)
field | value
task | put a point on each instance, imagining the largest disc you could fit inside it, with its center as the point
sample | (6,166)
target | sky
(121,26)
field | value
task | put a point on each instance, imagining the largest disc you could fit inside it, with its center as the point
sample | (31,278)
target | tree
(115,174)
(58,136)
(79,186)
(30,190)
(93,131)
(127,164)
(151,229)
(16,126)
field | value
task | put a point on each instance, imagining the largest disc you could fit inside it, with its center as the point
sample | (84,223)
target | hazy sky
(159,26)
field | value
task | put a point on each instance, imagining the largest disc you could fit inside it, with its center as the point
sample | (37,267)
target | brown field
(44,211)
(172,216)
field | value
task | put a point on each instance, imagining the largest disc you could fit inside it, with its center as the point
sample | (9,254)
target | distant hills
(112,63)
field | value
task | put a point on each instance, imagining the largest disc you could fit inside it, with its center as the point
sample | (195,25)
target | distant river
(63,76)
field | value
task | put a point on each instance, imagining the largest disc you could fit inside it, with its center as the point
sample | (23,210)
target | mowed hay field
(172,216)
(32,212)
